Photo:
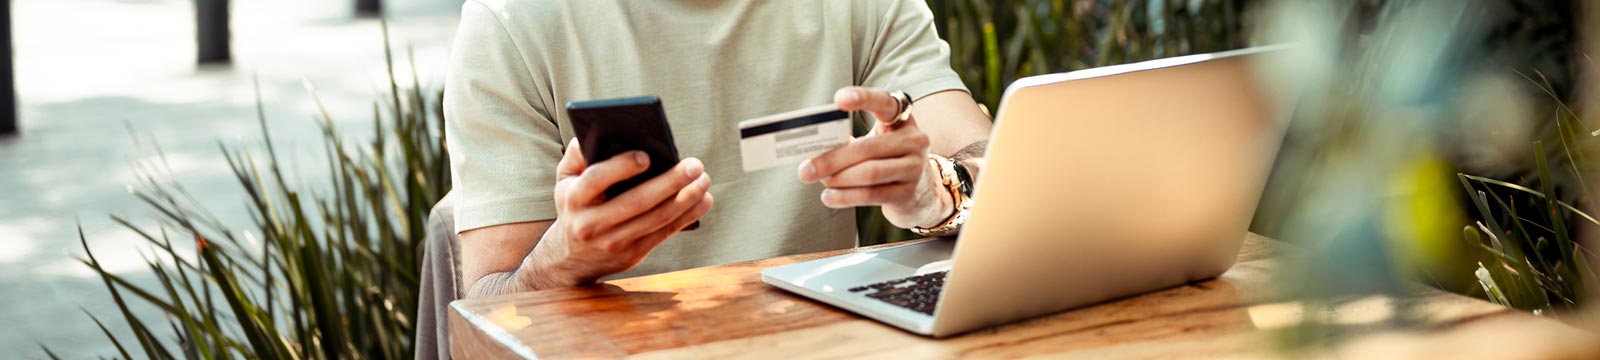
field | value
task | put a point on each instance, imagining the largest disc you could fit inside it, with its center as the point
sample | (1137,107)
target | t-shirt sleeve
(904,51)
(503,146)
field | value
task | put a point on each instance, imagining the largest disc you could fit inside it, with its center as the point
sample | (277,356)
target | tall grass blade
(114,341)
(52,354)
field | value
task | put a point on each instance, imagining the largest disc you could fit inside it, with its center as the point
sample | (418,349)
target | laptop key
(890,293)
(918,293)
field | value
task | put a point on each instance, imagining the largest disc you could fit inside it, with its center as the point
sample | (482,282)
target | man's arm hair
(495,284)
(971,156)
(499,259)
(971,151)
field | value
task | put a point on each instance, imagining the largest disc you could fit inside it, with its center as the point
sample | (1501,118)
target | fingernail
(641,158)
(807,171)
(854,95)
(827,195)
(693,168)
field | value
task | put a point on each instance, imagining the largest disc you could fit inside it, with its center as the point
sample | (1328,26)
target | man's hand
(888,167)
(594,237)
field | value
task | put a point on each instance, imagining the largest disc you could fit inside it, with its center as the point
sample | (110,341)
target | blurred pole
(211,31)
(8,87)
(373,8)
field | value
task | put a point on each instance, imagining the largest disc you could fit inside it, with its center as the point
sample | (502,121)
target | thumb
(572,162)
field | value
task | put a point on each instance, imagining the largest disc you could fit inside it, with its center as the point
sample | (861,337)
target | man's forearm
(536,268)
(496,284)
(535,273)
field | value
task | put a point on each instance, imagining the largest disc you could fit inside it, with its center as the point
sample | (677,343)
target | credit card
(793,136)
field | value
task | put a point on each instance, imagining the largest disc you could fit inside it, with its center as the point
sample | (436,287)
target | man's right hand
(593,236)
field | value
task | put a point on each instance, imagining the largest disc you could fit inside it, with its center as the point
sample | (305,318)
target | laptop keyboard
(919,293)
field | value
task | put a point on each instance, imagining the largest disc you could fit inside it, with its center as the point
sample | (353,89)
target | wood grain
(726,311)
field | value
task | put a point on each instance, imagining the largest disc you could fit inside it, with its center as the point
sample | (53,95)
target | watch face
(964,177)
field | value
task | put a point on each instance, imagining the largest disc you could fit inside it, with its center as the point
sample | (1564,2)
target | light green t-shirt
(516,63)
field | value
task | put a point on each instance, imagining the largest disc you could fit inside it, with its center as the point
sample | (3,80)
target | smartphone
(610,127)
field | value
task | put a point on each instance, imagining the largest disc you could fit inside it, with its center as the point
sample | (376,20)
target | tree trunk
(211,31)
(372,8)
(8,87)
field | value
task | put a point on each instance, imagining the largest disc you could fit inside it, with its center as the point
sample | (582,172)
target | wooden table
(726,311)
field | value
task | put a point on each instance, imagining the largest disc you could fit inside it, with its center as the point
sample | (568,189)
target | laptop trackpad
(920,256)
(933,267)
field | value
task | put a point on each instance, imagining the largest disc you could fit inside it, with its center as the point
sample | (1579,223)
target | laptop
(1097,185)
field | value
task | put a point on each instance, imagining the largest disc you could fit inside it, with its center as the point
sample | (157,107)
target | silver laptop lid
(1110,182)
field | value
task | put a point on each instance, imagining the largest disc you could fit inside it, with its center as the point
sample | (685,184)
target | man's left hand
(888,167)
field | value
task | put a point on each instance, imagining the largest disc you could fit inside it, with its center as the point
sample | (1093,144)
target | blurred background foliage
(1439,142)
(1531,204)
(993,43)
(1443,143)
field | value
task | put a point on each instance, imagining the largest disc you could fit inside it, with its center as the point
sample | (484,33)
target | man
(530,209)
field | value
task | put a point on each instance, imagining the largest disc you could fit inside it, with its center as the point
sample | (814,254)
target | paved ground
(91,73)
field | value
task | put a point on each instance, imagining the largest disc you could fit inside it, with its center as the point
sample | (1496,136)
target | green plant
(993,43)
(1532,258)
(334,272)
(1395,92)
(1357,182)
(1529,216)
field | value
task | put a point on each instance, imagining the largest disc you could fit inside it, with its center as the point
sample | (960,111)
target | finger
(572,162)
(652,192)
(878,172)
(632,228)
(868,196)
(597,177)
(693,215)
(887,145)
(875,101)
(644,245)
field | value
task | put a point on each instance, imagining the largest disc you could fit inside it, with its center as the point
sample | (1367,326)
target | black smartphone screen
(610,127)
